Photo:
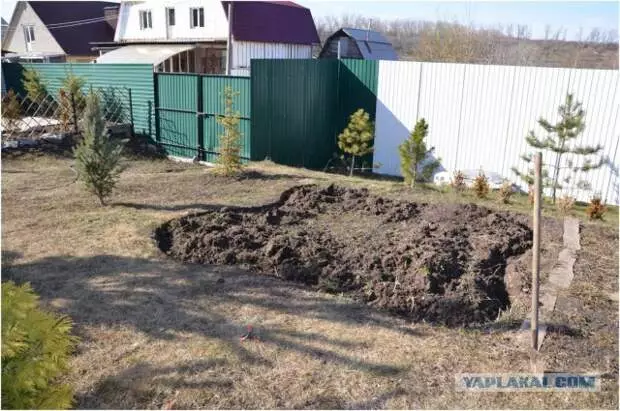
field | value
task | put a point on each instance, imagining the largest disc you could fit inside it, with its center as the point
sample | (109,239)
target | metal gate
(187,107)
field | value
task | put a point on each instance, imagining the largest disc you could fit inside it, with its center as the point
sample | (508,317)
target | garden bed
(440,263)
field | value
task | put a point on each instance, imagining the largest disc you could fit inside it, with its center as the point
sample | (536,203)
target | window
(171,17)
(29,33)
(196,17)
(146,21)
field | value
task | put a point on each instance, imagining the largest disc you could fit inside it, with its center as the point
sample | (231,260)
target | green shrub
(35,350)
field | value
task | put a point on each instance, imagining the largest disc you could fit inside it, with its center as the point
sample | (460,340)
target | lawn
(159,333)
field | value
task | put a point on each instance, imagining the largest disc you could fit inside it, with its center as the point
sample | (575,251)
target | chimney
(111,15)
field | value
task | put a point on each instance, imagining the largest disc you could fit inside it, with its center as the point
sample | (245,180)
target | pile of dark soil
(441,263)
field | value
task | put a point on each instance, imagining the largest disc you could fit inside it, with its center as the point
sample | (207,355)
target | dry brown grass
(156,333)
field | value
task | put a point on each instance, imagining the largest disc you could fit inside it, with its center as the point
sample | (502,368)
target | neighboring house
(5,26)
(358,44)
(59,30)
(191,35)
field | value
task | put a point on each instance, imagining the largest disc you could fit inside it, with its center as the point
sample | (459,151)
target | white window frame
(29,33)
(171,22)
(199,22)
(146,19)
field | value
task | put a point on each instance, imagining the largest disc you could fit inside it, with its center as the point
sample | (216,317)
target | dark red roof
(272,22)
(76,39)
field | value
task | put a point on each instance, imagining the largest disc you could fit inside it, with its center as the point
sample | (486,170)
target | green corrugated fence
(136,78)
(297,107)
(300,106)
(187,110)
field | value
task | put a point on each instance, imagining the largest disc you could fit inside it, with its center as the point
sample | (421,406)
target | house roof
(75,39)
(272,22)
(372,44)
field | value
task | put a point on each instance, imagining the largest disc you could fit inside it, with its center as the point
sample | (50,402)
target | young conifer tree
(561,140)
(356,139)
(413,152)
(229,161)
(36,346)
(97,157)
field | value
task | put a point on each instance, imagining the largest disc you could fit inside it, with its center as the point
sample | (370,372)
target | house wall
(245,51)
(15,40)
(128,29)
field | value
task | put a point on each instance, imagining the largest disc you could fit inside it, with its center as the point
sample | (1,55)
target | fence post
(74,111)
(536,247)
(133,132)
(199,120)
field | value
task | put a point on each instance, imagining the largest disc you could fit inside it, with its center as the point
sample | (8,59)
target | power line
(69,24)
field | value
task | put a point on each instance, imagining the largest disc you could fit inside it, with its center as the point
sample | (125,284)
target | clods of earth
(440,263)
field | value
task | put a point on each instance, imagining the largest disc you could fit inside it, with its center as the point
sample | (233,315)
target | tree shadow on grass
(166,300)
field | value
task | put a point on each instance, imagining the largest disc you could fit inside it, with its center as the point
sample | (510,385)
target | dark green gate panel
(138,78)
(177,104)
(188,106)
(300,106)
(294,109)
(213,105)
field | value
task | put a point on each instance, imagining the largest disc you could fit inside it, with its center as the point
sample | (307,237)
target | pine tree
(35,89)
(35,351)
(11,109)
(558,141)
(356,138)
(229,160)
(73,86)
(97,157)
(413,152)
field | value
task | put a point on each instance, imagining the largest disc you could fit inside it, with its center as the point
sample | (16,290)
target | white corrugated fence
(479,115)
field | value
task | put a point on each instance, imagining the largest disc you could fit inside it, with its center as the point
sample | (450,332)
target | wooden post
(536,247)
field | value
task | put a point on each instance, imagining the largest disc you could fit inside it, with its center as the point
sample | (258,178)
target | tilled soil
(441,263)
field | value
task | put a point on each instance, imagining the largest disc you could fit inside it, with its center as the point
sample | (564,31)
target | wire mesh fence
(31,117)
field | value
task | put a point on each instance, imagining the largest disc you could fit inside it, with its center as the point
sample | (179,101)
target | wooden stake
(536,247)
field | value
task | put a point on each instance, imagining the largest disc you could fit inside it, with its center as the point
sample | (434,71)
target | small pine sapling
(35,89)
(596,209)
(558,142)
(97,157)
(229,161)
(505,192)
(481,185)
(413,152)
(73,86)
(458,181)
(565,204)
(64,109)
(11,109)
(36,348)
(356,139)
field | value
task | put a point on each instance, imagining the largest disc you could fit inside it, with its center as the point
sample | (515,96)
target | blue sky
(569,15)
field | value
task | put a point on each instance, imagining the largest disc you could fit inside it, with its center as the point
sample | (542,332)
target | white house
(193,35)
